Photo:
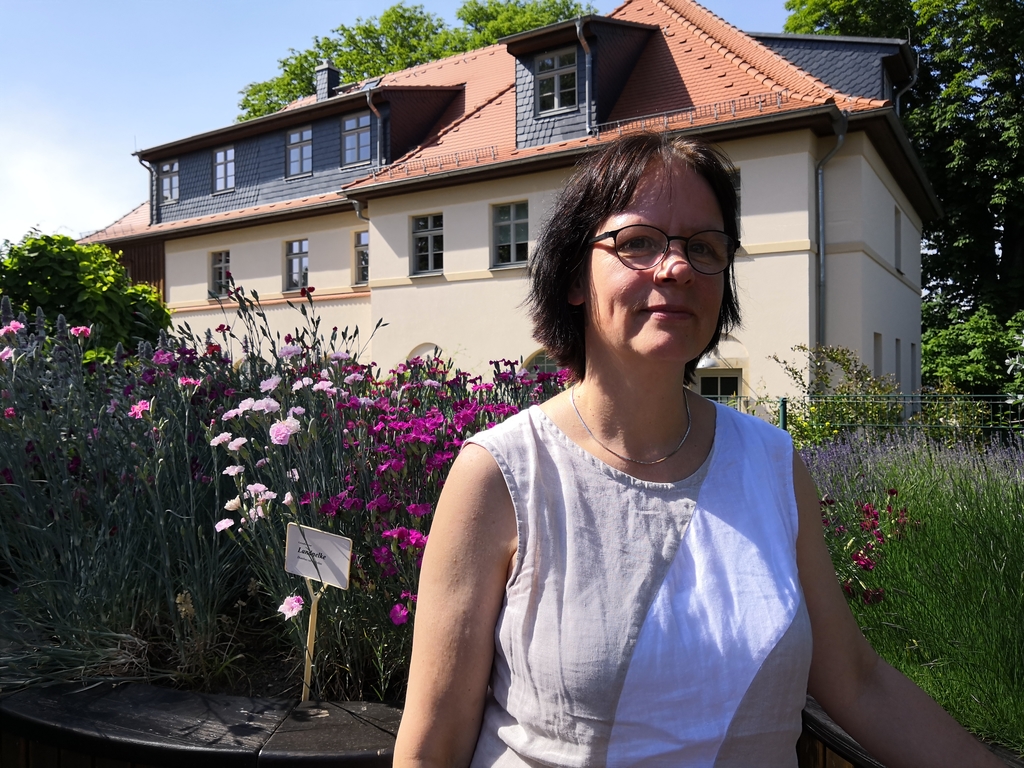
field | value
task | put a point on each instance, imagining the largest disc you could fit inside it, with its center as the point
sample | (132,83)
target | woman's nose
(675,265)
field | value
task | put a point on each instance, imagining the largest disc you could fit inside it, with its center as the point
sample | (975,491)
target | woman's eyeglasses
(642,247)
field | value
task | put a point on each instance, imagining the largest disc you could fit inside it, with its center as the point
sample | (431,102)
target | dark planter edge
(148,725)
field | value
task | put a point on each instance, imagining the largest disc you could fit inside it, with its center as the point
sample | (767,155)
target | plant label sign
(318,555)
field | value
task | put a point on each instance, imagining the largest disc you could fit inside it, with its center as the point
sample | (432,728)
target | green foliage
(839,393)
(84,283)
(968,351)
(965,118)
(401,37)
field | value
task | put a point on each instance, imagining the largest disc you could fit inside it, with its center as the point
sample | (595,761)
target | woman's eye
(638,244)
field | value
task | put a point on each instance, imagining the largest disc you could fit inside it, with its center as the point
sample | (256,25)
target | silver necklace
(669,455)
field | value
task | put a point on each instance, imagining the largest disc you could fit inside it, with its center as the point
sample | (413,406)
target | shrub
(85,283)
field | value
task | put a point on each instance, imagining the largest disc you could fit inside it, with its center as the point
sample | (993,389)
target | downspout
(587,57)
(152,189)
(359,210)
(908,86)
(839,126)
(380,128)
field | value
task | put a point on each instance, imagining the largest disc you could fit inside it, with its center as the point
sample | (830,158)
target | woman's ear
(578,290)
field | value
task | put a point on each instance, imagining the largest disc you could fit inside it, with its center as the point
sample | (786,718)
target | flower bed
(144,502)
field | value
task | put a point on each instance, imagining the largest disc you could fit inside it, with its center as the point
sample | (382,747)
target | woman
(629,574)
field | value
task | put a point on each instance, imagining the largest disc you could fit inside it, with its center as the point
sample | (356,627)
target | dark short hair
(603,184)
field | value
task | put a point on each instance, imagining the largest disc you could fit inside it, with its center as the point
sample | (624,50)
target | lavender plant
(928,541)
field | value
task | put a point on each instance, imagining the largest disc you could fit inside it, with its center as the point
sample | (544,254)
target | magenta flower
(163,357)
(81,330)
(9,413)
(418,510)
(224,524)
(399,615)
(291,606)
(138,409)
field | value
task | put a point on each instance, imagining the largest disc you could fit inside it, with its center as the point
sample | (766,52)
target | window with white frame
(542,363)
(556,80)
(169,181)
(220,273)
(296,265)
(362,258)
(355,139)
(511,223)
(720,386)
(224,169)
(300,151)
(428,243)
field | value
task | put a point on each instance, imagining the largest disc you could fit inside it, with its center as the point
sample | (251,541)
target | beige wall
(474,313)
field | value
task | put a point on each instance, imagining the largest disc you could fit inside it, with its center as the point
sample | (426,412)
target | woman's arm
(884,711)
(466,563)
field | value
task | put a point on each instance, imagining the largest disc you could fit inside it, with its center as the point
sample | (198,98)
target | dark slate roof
(853,65)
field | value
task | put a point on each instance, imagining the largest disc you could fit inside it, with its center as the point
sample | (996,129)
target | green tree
(965,118)
(401,37)
(85,283)
(968,350)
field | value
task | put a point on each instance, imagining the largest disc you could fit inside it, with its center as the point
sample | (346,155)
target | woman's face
(668,312)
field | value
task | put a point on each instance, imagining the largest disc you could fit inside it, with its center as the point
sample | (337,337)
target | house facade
(416,198)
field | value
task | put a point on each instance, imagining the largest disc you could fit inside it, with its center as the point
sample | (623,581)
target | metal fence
(946,416)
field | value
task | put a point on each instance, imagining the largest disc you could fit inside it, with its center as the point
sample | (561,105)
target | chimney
(327,79)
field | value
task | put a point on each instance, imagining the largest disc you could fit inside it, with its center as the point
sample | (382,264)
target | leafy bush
(85,283)
(143,502)
(839,393)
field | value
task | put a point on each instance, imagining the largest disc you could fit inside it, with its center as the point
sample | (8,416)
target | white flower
(237,443)
(233,505)
(269,385)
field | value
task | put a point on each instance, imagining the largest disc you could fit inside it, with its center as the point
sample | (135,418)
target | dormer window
(300,151)
(355,133)
(556,81)
(169,182)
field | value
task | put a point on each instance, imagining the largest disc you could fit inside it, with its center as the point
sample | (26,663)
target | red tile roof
(719,76)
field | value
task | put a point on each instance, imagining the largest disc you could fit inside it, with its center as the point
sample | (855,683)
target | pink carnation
(138,409)
(224,524)
(220,439)
(292,606)
(282,431)
(81,330)
(237,443)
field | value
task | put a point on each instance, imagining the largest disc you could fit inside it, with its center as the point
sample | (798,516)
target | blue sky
(85,84)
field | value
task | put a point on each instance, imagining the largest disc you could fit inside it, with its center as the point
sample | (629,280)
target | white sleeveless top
(648,623)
